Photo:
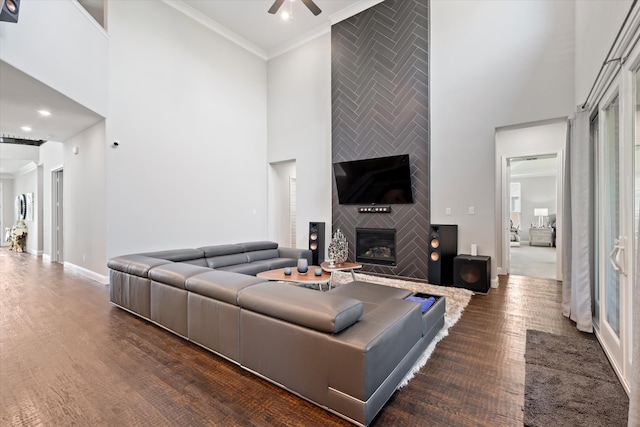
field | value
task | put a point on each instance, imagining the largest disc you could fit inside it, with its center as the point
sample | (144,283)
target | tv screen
(382,180)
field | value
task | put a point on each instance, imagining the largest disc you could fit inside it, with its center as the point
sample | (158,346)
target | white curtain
(577,252)
(634,398)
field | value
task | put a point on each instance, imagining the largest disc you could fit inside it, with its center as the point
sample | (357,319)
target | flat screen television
(381,180)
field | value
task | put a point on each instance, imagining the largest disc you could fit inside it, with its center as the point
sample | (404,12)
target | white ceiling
(246,22)
(528,167)
(270,34)
(21,97)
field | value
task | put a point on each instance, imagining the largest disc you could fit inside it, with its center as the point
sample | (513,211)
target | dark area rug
(569,382)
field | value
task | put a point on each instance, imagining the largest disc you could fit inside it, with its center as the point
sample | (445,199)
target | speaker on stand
(443,248)
(316,242)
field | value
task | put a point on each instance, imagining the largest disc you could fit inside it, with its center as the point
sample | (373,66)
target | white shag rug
(457,300)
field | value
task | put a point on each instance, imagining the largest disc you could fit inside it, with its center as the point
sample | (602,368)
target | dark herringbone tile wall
(380,103)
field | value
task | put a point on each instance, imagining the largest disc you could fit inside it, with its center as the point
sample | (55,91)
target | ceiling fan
(309,3)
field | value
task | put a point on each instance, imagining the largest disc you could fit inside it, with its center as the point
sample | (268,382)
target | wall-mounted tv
(381,180)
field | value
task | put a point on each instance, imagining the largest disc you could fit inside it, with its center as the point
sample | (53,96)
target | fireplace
(376,246)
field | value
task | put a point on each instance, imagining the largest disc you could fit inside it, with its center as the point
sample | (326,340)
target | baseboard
(46,257)
(32,252)
(495,282)
(87,273)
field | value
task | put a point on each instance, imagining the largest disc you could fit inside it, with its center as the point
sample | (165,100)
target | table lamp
(541,213)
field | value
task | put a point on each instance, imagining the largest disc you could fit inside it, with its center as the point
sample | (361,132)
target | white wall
(51,158)
(7,204)
(493,64)
(188,108)
(597,22)
(84,184)
(299,127)
(58,43)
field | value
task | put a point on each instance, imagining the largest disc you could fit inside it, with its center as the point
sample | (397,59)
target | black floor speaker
(10,10)
(316,242)
(472,272)
(443,248)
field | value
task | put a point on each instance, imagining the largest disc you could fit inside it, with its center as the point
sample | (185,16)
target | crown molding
(216,27)
(320,31)
(29,167)
(353,10)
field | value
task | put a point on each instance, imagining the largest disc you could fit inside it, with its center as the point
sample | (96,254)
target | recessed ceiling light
(44,112)
(26,128)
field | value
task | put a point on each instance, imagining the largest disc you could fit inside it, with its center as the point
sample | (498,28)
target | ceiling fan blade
(312,7)
(275,6)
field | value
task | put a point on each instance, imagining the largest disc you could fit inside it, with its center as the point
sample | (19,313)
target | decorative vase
(318,272)
(287,271)
(303,265)
(338,249)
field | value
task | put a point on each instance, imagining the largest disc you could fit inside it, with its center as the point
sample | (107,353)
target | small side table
(326,266)
(540,237)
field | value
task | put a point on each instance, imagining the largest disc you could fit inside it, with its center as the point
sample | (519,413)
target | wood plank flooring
(69,357)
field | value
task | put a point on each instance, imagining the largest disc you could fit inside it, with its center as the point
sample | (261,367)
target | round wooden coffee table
(308,277)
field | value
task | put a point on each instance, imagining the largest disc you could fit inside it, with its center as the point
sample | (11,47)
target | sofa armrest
(295,253)
(364,355)
(137,265)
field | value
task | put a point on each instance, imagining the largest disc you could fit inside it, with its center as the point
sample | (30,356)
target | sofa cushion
(258,246)
(218,250)
(263,254)
(220,285)
(225,260)
(251,268)
(175,274)
(138,265)
(202,262)
(306,307)
(273,263)
(177,255)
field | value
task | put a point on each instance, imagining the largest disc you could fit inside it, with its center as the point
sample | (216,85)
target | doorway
(544,141)
(533,202)
(282,203)
(57,216)
(3,238)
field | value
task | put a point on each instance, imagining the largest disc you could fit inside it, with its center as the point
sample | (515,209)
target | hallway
(533,261)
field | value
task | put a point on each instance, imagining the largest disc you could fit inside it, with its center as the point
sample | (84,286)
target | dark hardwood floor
(69,357)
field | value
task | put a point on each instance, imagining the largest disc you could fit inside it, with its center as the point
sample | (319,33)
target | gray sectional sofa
(345,350)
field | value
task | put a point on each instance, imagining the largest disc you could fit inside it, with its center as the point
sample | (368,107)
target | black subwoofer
(10,10)
(443,247)
(316,242)
(472,272)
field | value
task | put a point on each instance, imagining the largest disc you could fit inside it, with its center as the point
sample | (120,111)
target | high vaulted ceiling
(245,22)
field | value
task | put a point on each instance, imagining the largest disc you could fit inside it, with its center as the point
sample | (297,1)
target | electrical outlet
(472,210)
(447,211)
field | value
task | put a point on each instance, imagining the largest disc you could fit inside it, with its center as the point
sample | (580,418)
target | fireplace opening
(376,246)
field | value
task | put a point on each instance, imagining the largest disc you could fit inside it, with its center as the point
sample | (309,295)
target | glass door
(610,269)
(618,116)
